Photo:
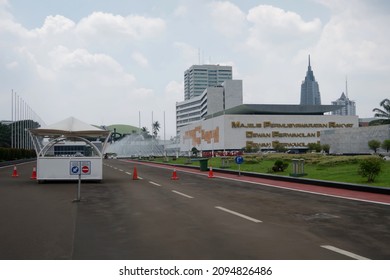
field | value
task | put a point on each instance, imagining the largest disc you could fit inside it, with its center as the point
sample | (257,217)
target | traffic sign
(85,169)
(239,159)
(80,168)
(74,168)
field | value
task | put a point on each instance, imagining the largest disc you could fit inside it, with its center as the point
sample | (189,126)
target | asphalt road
(194,217)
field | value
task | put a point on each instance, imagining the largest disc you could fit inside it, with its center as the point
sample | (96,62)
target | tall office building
(213,100)
(310,93)
(198,77)
(349,106)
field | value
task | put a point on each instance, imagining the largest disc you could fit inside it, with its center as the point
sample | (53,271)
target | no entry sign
(85,169)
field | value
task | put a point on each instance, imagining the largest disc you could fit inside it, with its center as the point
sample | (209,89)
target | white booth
(69,149)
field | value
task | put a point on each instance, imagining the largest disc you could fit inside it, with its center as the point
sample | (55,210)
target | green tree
(19,129)
(314,147)
(370,168)
(194,151)
(278,147)
(384,113)
(5,135)
(145,132)
(155,128)
(374,145)
(279,166)
(248,148)
(386,145)
(326,148)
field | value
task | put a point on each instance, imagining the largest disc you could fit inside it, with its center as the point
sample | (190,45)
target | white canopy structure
(70,127)
(66,144)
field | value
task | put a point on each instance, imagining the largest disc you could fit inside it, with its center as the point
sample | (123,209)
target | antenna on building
(346,86)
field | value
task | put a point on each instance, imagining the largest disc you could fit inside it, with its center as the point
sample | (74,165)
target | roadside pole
(78,199)
(76,170)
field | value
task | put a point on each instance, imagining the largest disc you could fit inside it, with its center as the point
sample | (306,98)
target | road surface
(193,217)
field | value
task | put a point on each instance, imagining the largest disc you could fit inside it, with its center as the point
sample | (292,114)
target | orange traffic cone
(15,172)
(211,174)
(34,174)
(135,175)
(174,175)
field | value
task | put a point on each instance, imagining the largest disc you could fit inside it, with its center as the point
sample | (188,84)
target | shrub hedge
(7,154)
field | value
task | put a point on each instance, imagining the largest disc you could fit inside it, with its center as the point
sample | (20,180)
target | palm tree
(145,132)
(383,113)
(155,128)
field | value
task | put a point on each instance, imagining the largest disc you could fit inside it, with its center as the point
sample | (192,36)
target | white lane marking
(343,252)
(238,214)
(140,178)
(153,183)
(128,173)
(182,194)
(115,168)
(121,170)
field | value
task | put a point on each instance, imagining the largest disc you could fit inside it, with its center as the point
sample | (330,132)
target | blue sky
(105,61)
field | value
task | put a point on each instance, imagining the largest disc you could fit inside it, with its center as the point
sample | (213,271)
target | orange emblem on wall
(197,135)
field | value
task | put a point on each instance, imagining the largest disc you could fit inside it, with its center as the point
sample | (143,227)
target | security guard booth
(68,148)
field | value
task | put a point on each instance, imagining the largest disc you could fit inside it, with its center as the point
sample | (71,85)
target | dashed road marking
(128,173)
(238,214)
(153,183)
(182,194)
(343,252)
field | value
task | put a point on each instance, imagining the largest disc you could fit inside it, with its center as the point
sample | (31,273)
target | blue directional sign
(239,159)
(74,168)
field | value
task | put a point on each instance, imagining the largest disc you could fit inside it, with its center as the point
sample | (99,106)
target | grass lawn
(330,168)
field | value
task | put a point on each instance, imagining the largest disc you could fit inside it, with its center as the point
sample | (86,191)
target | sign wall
(260,131)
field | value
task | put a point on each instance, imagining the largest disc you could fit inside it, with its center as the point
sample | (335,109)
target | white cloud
(353,44)
(274,29)
(12,65)
(174,91)
(60,65)
(357,38)
(55,25)
(140,59)
(228,19)
(131,27)
(266,16)
(187,52)
(4,5)
(181,11)
(81,67)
